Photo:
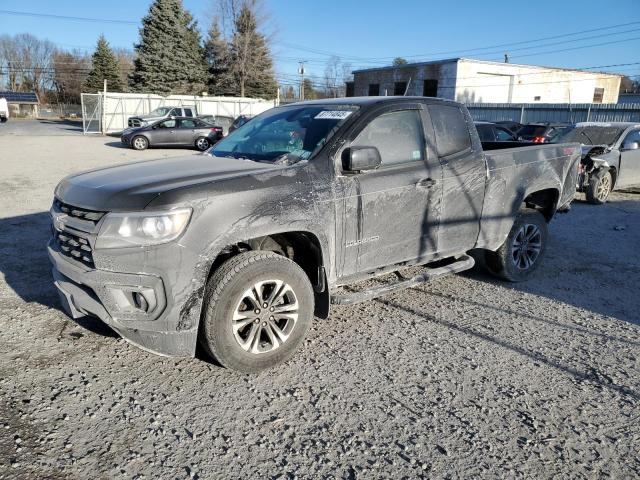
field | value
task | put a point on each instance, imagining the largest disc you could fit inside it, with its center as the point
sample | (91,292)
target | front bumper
(109,296)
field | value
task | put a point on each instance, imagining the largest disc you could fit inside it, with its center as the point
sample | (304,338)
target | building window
(536,98)
(430,88)
(374,89)
(399,88)
(350,90)
(598,95)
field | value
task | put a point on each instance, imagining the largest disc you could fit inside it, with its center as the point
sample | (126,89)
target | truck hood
(131,187)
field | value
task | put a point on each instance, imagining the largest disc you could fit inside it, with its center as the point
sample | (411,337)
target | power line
(66,17)
(460,51)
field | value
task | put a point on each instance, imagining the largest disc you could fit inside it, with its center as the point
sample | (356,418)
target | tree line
(170,57)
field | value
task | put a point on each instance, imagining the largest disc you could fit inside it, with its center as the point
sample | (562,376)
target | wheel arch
(302,247)
(544,200)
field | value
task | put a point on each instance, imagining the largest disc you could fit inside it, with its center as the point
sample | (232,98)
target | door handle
(426,183)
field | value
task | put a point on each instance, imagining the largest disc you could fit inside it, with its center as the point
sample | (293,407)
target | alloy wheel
(265,316)
(604,188)
(526,246)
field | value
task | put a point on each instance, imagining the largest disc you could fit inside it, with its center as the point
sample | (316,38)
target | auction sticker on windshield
(333,114)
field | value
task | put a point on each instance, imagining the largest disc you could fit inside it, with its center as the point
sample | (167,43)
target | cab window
(167,124)
(452,133)
(188,124)
(503,135)
(398,136)
(632,137)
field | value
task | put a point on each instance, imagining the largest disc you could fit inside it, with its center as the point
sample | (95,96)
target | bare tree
(336,73)
(28,61)
(70,71)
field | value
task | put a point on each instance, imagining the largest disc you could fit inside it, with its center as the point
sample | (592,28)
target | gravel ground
(465,377)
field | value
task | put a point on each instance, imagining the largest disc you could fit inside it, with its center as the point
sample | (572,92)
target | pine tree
(218,58)
(170,57)
(252,66)
(104,66)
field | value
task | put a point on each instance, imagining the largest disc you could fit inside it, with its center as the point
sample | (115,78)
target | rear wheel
(522,251)
(258,308)
(202,144)
(599,188)
(140,143)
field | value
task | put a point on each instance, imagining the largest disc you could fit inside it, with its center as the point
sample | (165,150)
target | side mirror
(630,146)
(357,159)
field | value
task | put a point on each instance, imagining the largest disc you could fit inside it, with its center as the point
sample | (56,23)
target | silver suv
(160,113)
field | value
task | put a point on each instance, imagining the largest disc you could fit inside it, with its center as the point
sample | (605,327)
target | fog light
(140,302)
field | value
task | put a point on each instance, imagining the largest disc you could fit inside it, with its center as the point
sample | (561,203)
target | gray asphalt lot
(464,377)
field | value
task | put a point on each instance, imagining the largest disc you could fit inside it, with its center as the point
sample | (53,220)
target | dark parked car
(239,121)
(491,132)
(610,157)
(510,124)
(219,121)
(240,248)
(173,132)
(540,132)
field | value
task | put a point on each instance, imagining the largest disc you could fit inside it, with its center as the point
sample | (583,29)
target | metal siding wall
(550,112)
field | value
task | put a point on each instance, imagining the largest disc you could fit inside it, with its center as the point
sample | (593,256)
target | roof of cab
(365,101)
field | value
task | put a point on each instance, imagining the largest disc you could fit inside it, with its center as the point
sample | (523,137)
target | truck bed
(513,173)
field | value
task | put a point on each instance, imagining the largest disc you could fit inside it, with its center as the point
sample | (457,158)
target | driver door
(164,132)
(396,207)
(629,162)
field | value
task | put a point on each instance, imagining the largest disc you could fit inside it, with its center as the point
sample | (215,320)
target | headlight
(142,228)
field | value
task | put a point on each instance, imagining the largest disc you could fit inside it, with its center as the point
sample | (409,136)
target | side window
(168,124)
(188,112)
(450,126)
(397,135)
(485,132)
(188,124)
(503,135)
(632,137)
(175,112)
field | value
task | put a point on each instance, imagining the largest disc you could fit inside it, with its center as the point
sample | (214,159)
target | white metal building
(479,81)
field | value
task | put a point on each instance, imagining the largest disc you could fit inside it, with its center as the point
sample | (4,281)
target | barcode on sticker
(333,114)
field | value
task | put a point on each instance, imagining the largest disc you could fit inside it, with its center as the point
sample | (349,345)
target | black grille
(76,212)
(75,247)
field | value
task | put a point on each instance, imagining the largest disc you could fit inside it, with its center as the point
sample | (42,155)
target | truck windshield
(160,111)
(590,135)
(284,135)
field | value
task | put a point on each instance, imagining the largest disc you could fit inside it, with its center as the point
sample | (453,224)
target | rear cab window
(451,130)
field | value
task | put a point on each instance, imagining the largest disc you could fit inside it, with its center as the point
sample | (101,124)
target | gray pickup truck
(160,113)
(239,248)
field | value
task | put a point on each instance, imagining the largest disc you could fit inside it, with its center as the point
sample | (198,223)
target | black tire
(202,143)
(139,143)
(515,260)
(3,119)
(226,297)
(599,188)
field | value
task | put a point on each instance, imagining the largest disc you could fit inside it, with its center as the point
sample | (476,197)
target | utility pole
(301,72)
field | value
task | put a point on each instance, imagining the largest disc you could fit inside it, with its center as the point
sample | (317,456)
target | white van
(4,110)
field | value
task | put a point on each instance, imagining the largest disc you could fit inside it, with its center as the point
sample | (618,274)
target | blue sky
(372,32)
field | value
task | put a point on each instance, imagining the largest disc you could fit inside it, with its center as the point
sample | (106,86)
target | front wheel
(522,251)
(140,143)
(258,308)
(599,188)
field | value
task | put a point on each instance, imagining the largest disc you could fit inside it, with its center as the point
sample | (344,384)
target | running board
(463,263)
